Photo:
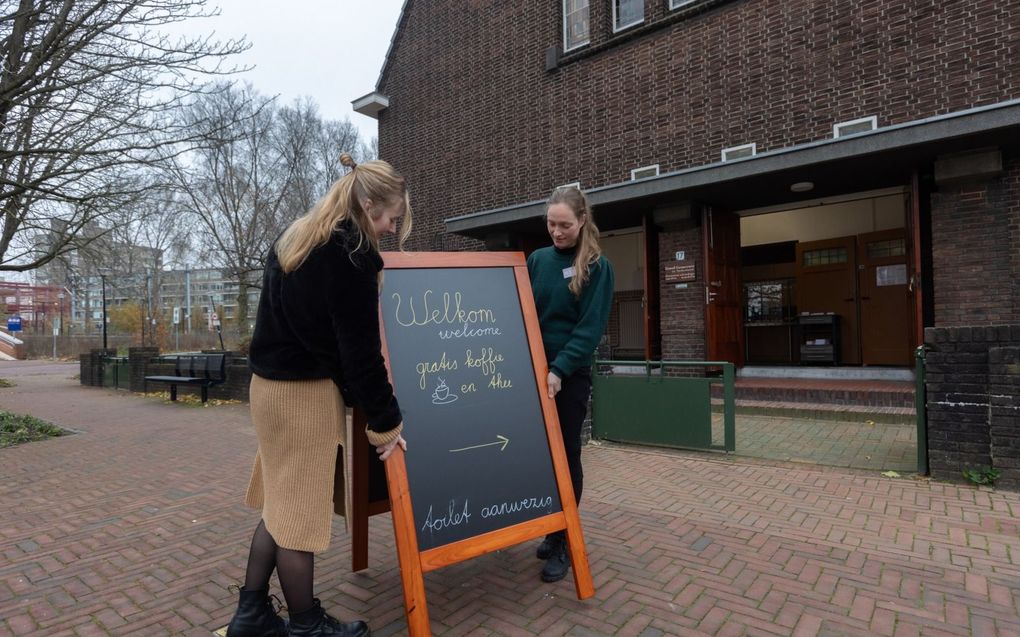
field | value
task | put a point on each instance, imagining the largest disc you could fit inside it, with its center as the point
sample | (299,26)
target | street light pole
(102,277)
(55,324)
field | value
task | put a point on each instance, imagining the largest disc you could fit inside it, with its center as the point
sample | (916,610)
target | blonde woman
(315,350)
(573,287)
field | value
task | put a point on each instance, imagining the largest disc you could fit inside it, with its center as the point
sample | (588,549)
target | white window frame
(620,27)
(753,146)
(575,184)
(634,171)
(873,120)
(676,4)
(566,29)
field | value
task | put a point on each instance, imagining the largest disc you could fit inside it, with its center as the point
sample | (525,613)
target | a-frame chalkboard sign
(485,467)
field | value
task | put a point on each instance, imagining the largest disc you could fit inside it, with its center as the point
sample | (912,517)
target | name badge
(568,273)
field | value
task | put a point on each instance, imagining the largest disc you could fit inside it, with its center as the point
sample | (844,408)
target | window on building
(854,126)
(627,13)
(645,171)
(676,4)
(825,256)
(767,301)
(739,152)
(575,24)
(890,248)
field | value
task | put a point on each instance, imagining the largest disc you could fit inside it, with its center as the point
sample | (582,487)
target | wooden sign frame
(414,563)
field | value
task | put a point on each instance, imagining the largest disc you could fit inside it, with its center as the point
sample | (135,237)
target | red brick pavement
(134,527)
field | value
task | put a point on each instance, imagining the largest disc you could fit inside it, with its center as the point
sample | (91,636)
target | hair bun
(347,160)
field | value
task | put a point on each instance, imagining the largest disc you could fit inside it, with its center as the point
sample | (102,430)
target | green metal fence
(662,410)
(920,408)
(116,372)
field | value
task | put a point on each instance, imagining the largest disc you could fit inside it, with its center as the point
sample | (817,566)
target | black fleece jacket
(322,321)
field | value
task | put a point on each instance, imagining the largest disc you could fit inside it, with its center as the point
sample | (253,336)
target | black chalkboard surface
(478,456)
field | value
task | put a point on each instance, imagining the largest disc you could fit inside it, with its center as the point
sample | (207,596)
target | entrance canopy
(865,161)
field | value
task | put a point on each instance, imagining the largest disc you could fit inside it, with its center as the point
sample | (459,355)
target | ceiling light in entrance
(802,186)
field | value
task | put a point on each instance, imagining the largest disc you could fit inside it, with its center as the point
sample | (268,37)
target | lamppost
(61,297)
(102,277)
(57,323)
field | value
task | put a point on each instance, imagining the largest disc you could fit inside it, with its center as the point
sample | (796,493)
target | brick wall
(973,400)
(976,250)
(682,310)
(476,122)
(144,361)
(1004,416)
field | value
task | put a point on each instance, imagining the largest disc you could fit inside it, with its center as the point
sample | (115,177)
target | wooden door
(826,282)
(886,299)
(724,334)
(914,266)
(653,338)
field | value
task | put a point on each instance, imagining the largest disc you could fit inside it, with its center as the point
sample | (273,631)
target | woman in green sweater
(573,287)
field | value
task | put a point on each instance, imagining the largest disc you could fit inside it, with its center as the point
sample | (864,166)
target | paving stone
(135,527)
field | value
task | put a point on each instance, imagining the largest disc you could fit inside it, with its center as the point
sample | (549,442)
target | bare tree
(233,185)
(259,167)
(312,147)
(88,90)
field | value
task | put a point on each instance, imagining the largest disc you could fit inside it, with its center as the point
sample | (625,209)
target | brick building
(877,140)
(776,181)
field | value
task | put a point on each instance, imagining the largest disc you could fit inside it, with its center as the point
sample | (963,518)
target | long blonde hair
(588,250)
(373,180)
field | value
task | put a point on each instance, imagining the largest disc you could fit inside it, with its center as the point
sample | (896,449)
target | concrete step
(822,411)
(828,373)
(866,394)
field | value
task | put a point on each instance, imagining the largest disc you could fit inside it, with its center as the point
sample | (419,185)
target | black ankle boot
(545,549)
(314,622)
(256,617)
(558,564)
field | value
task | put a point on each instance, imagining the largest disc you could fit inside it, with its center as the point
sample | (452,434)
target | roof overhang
(865,161)
(371,104)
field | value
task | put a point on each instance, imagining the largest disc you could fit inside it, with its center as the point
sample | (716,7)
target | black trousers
(572,407)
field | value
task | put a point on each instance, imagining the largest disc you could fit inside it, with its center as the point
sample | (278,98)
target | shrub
(16,429)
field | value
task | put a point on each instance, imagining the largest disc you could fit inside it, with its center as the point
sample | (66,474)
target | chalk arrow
(503,442)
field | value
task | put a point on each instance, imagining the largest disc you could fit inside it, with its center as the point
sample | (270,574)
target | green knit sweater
(571,326)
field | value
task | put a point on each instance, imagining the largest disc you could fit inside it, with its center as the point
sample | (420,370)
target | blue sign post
(13,323)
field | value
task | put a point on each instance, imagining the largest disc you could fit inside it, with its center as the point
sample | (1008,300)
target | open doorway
(625,249)
(827,283)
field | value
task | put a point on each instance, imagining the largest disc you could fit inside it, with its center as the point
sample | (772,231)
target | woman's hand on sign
(385,450)
(554,384)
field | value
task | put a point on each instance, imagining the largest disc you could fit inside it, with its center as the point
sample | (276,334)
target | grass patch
(6,383)
(16,429)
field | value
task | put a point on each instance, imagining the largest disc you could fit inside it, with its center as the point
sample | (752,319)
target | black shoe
(557,565)
(314,622)
(548,545)
(256,616)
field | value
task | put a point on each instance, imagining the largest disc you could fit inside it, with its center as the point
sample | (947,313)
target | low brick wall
(235,388)
(973,401)
(90,366)
(145,361)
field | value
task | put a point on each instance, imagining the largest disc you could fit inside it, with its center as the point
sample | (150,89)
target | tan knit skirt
(297,480)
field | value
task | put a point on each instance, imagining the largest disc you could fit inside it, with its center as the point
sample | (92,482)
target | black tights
(294,569)
(572,407)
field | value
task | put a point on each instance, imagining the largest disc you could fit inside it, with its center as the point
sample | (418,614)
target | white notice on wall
(891,274)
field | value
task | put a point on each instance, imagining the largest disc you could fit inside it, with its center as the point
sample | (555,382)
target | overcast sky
(331,50)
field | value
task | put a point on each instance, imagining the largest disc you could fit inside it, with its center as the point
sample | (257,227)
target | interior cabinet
(818,335)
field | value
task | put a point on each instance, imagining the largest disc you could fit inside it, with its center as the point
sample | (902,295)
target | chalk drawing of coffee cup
(442,395)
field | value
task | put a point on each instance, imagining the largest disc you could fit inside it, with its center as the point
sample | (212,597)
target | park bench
(204,370)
